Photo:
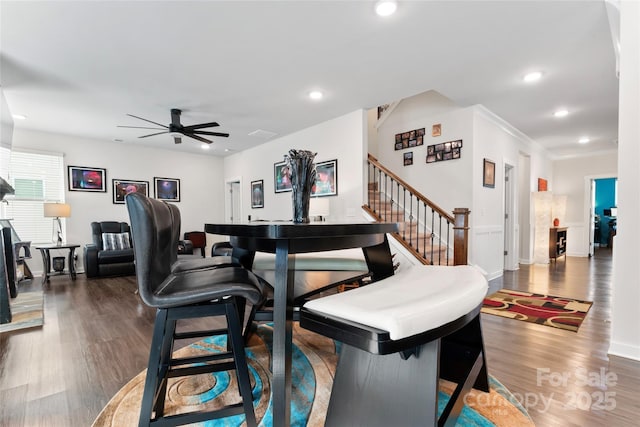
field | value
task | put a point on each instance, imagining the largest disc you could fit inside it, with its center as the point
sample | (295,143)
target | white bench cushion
(415,300)
(340,260)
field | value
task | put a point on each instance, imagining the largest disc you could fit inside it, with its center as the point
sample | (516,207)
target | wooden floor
(97,333)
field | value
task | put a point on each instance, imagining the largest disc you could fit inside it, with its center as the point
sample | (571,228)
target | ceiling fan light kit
(177,130)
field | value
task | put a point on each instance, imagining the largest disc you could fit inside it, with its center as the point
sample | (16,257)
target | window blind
(37,178)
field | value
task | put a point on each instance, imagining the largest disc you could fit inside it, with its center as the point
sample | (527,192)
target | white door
(510,253)
(234,206)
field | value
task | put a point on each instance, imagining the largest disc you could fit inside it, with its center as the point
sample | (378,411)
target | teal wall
(605,198)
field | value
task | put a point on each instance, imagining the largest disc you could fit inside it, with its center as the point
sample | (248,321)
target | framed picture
(436,130)
(87,179)
(122,187)
(326,179)
(257,194)
(489,174)
(281,177)
(167,189)
(408,158)
(542,184)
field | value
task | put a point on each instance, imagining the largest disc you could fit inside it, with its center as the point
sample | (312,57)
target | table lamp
(319,208)
(57,211)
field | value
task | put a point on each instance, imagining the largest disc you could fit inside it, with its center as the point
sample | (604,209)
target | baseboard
(495,275)
(624,350)
(578,254)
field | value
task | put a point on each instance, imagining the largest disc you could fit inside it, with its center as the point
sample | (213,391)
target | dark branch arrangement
(303,176)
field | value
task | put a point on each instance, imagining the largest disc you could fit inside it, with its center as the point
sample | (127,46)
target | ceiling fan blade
(199,138)
(204,132)
(153,134)
(175,116)
(201,126)
(140,118)
(177,139)
(138,127)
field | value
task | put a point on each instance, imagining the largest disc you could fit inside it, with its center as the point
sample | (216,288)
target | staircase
(432,235)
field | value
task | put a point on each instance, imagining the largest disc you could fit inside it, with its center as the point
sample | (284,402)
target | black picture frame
(167,189)
(488,174)
(281,177)
(83,178)
(122,187)
(326,179)
(408,158)
(257,194)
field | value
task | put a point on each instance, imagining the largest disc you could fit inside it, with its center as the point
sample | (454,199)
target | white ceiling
(79,67)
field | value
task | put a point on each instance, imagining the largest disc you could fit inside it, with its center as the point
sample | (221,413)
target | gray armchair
(114,260)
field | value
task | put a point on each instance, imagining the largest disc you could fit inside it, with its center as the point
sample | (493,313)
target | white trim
(586,208)
(36,151)
(624,350)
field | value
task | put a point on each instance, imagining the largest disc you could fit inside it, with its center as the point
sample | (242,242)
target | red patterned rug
(548,310)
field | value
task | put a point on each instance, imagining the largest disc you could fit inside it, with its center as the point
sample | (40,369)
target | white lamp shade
(57,210)
(319,206)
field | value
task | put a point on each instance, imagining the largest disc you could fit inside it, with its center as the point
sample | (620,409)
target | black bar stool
(155,227)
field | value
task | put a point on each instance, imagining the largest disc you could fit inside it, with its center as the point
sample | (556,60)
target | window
(36,178)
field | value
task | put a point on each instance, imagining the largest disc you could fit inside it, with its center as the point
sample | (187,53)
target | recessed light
(561,113)
(386,7)
(205,146)
(19,117)
(584,140)
(315,95)
(226,150)
(532,77)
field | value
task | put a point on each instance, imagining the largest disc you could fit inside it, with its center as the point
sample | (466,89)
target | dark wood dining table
(286,239)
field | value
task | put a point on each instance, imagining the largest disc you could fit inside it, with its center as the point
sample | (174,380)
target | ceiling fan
(177,129)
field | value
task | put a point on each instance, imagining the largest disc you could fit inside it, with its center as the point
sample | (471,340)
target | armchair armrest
(91,260)
(185,247)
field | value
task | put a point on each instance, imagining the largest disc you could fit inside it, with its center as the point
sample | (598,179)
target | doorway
(510,232)
(602,213)
(233,207)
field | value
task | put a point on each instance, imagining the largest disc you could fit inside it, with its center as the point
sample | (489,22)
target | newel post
(460,236)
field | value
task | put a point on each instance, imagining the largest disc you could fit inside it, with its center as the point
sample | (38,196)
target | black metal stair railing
(425,229)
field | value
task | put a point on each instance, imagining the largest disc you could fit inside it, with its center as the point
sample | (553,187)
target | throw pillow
(115,241)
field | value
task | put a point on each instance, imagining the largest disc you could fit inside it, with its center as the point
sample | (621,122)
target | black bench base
(376,390)
(374,386)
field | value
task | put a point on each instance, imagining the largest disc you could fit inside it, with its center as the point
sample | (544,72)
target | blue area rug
(314,361)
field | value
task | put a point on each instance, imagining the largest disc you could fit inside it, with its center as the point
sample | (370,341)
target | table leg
(282,334)
(46,265)
(72,264)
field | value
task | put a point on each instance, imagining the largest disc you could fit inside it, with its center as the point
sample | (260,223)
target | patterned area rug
(26,312)
(314,362)
(548,310)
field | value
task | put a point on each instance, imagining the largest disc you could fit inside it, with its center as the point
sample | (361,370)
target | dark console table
(285,239)
(45,251)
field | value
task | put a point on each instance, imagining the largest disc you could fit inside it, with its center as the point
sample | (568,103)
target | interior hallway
(97,333)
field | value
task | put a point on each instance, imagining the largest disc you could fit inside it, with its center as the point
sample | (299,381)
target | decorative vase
(303,177)
(556,222)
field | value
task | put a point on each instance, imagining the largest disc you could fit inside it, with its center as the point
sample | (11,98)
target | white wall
(571,178)
(625,338)
(341,138)
(458,183)
(496,140)
(201,181)
(446,183)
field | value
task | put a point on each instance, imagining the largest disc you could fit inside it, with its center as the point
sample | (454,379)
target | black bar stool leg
(242,370)
(153,369)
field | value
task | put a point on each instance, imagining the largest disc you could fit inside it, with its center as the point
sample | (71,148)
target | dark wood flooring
(97,333)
